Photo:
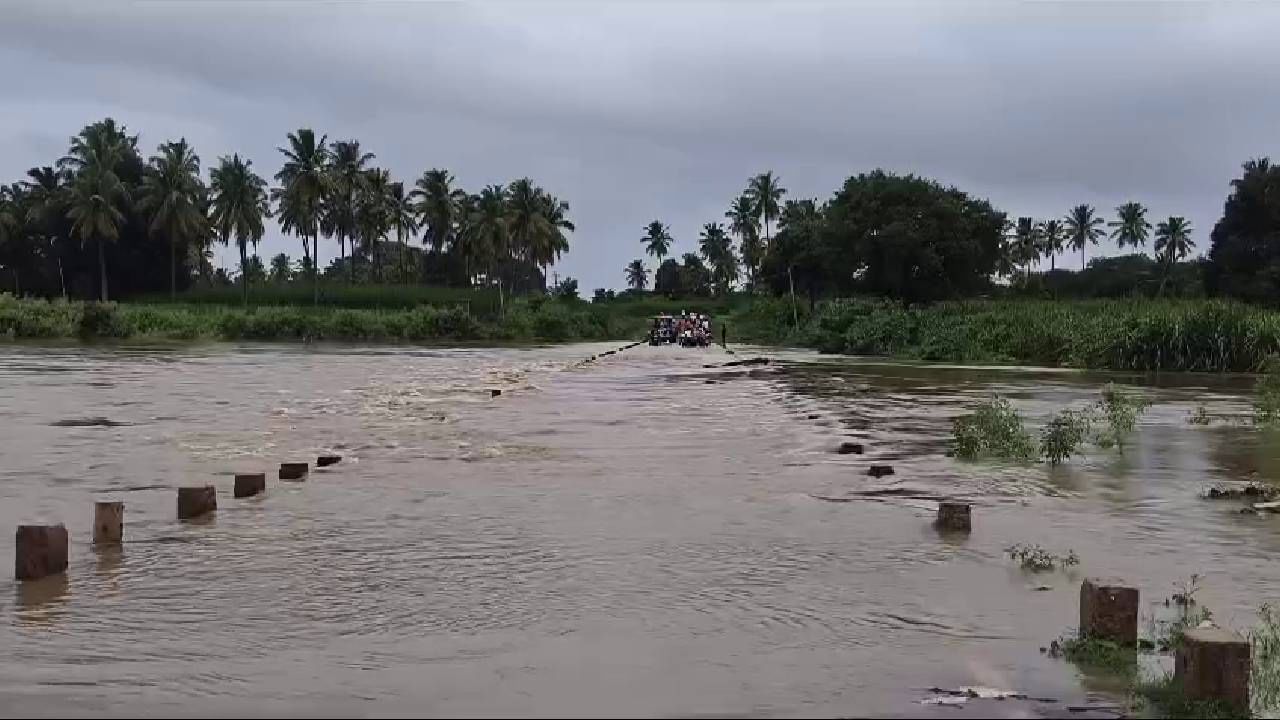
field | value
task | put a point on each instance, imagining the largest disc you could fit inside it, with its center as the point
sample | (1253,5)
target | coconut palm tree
(347,173)
(304,183)
(489,238)
(1052,237)
(637,275)
(403,218)
(745,223)
(1026,242)
(1084,227)
(93,206)
(437,203)
(95,194)
(1173,243)
(714,244)
(373,216)
(1130,226)
(1006,259)
(45,188)
(238,209)
(657,239)
(172,195)
(766,196)
(552,243)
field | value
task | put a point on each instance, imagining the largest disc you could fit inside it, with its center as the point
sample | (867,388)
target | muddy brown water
(622,538)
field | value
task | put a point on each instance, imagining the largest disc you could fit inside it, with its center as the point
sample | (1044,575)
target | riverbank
(546,320)
(1143,335)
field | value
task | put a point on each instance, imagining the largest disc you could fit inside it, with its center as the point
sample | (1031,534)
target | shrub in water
(993,430)
(1266,406)
(1120,411)
(1063,435)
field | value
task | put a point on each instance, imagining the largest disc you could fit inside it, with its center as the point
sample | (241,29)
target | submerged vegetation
(1037,559)
(995,429)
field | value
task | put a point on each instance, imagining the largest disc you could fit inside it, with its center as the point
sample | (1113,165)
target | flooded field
(639,536)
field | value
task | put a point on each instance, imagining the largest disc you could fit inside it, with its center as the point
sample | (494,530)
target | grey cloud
(644,110)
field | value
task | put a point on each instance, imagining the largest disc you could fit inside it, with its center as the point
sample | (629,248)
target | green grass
(1163,698)
(533,320)
(1193,335)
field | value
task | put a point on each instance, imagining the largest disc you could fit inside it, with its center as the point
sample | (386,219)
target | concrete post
(41,550)
(294,471)
(1213,664)
(327,460)
(954,516)
(250,484)
(1109,611)
(196,501)
(108,523)
(880,470)
(494,393)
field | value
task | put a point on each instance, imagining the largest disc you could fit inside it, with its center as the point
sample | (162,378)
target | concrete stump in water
(250,484)
(294,471)
(876,471)
(1108,611)
(850,448)
(196,501)
(40,551)
(108,523)
(327,460)
(495,393)
(1213,664)
(954,516)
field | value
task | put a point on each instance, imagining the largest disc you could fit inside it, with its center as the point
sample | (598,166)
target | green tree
(766,194)
(716,248)
(304,183)
(1244,247)
(46,193)
(695,278)
(909,238)
(637,275)
(1026,241)
(403,219)
(437,203)
(1173,243)
(346,177)
(657,239)
(96,195)
(1084,227)
(744,222)
(798,254)
(668,279)
(489,236)
(173,196)
(281,269)
(1130,226)
(373,216)
(238,210)
(1053,236)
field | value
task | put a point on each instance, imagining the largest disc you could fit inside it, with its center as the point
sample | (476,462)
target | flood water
(621,538)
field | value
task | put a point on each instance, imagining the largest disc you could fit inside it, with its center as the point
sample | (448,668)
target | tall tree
(1173,243)
(46,194)
(347,176)
(438,202)
(373,215)
(1052,237)
(1026,241)
(96,195)
(403,219)
(1130,226)
(281,269)
(744,222)
(637,275)
(718,251)
(1244,251)
(173,197)
(304,183)
(238,210)
(766,195)
(657,239)
(1084,227)
(489,234)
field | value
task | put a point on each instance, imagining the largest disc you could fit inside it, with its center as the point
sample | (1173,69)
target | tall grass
(548,320)
(1206,335)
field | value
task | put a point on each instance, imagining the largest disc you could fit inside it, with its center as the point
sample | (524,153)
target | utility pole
(795,318)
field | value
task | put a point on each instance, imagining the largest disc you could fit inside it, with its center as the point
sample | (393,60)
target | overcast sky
(648,110)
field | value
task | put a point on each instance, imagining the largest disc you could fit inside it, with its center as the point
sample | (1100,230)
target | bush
(993,430)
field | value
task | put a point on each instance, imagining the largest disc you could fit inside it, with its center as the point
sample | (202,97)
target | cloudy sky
(649,110)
